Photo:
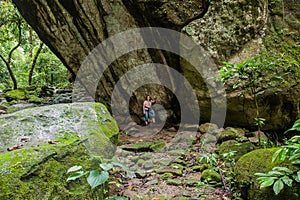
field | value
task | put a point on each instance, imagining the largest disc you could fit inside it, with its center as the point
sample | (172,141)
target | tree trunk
(8,61)
(34,63)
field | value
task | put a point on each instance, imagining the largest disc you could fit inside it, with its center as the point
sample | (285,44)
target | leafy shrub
(278,177)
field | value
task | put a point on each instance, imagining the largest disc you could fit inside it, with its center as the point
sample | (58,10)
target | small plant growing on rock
(251,78)
(278,177)
(98,176)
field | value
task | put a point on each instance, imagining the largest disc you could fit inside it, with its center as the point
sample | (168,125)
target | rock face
(228,30)
(56,122)
(40,173)
(48,140)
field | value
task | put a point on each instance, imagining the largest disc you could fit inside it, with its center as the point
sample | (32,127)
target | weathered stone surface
(90,121)
(239,148)
(235,30)
(209,138)
(230,134)
(259,161)
(171,170)
(53,139)
(19,106)
(175,182)
(40,173)
(208,128)
(190,183)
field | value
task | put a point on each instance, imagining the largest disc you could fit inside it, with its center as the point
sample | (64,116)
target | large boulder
(39,124)
(260,160)
(40,173)
(43,142)
(228,30)
(235,31)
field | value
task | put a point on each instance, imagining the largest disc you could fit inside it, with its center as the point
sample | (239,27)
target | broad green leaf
(297,177)
(263,179)
(76,175)
(268,182)
(124,167)
(276,155)
(295,139)
(294,156)
(296,162)
(295,127)
(262,174)
(284,169)
(286,180)
(97,178)
(106,166)
(276,173)
(278,186)
(74,168)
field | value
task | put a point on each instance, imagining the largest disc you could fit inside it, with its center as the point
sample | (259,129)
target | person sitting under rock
(147,109)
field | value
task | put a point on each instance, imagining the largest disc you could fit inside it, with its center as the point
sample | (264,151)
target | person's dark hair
(147,97)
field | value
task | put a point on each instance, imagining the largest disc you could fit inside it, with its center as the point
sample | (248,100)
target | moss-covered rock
(209,138)
(176,182)
(239,148)
(211,175)
(35,99)
(259,160)
(40,173)
(230,134)
(17,94)
(39,124)
(58,137)
(208,128)
(201,167)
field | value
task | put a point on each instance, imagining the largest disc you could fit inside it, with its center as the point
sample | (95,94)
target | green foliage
(281,176)
(295,127)
(49,70)
(98,176)
(222,163)
(278,177)
(258,73)
(258,121)
(209,158)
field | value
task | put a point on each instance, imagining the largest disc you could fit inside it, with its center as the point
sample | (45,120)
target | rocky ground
(185,168)
(165,163)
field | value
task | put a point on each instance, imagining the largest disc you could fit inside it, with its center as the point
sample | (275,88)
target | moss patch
(17,94)
(41,173)
(211,175)
(35,99)
(230,134)
(239,148)
(259,161)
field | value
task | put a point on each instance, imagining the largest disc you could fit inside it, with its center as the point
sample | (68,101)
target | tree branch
(34,62)
(8,62)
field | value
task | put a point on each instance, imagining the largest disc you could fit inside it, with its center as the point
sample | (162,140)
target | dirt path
(173,172)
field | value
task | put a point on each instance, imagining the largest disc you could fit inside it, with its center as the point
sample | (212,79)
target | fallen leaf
(131,187)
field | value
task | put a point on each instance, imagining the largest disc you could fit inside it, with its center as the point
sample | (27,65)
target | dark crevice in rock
(34,168)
